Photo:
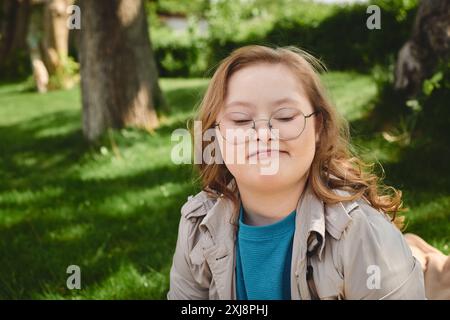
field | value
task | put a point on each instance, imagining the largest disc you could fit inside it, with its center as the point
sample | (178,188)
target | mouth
(267,153)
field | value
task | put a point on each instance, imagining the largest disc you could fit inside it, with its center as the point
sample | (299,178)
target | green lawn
(115,212)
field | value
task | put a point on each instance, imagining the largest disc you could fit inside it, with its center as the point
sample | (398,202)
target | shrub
(336,33)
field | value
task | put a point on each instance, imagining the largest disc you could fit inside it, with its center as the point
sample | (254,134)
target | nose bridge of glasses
(269,125)
(264,132)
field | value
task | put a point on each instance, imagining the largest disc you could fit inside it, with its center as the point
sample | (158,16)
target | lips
(266,153)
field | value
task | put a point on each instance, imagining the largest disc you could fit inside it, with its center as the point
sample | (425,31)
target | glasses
(284,124)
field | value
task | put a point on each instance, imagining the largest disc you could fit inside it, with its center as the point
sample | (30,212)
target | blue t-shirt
(263,259)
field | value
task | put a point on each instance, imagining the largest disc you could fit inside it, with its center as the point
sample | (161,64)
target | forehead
(264,82)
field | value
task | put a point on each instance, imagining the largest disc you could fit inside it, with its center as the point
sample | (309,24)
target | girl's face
(259,92)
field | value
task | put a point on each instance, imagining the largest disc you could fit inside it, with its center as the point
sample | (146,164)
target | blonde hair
(334,165)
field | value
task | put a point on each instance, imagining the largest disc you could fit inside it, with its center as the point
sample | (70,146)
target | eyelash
(279,119)
(285,118)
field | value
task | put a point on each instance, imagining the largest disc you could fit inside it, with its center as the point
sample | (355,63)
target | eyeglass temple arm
(313,113)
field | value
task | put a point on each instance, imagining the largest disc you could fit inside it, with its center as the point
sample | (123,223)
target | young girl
(319,227)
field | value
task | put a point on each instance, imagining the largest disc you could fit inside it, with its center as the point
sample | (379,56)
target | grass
(115,214)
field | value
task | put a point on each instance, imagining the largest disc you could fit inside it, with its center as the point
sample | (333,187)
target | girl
(318,227)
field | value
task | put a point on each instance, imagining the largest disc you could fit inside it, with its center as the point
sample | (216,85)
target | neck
(264,207)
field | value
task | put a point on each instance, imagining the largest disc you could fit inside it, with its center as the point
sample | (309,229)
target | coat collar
(219,251)
(310,220)
(313,215)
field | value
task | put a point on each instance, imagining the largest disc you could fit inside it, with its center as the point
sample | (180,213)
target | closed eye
(242,121)
(285,119)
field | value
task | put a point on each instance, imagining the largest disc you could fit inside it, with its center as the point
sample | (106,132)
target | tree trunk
(13,26)
(14,16)
(34,41)
(118,73)
(429,43)
(55,34)
(48,41)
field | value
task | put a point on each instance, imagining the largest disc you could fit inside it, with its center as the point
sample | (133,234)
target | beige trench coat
(354,252)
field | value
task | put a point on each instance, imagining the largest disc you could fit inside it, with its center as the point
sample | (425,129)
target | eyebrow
(249,104)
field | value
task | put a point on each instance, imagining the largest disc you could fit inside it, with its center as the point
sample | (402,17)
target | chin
(269,181)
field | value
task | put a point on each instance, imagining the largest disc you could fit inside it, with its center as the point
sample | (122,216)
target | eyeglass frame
(270,124)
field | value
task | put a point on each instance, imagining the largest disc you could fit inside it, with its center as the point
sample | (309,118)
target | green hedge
(337,34)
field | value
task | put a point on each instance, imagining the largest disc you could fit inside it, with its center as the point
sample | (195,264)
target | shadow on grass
(37,251)
(46,144)
(51,217)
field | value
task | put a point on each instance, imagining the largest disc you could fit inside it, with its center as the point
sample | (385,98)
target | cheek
(302,150)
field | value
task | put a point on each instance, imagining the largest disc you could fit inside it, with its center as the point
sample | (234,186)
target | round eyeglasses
(284,124)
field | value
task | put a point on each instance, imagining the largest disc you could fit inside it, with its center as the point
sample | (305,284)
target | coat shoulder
(197,205)
(344,215)
(366,216)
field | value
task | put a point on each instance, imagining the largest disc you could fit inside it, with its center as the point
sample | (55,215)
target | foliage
(66,75)
(337,33)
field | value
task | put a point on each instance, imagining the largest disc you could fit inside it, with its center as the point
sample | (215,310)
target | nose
(263,131)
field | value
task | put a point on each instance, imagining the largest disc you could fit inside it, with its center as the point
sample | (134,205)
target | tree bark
(14,16)
(13,26)
(429,43)
(34,41)
(48,42)
(55,40)
(119,78)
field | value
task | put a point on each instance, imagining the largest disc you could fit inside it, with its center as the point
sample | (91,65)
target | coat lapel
(220,253)
(310,218)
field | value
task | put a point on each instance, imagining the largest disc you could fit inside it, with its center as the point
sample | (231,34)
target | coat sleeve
(377,262)
(183,286)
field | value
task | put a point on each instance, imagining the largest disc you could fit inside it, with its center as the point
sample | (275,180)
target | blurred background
(90,95)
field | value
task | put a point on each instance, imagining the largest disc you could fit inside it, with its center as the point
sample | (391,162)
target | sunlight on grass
(69,233)
(125,283)
(351,93)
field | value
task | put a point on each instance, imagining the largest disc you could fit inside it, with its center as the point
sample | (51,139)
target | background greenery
(113,207)
(327,30)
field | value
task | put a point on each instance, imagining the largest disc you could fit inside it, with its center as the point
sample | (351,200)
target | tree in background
(429,44)
(14,16)
(119,79)
(40,27)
